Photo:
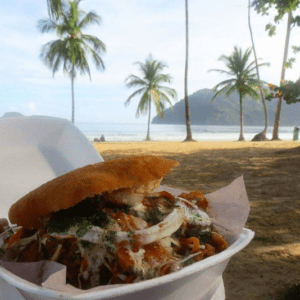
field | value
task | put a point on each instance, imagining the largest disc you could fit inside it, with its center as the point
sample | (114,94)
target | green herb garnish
(111,236)
(86,244)
(82,216)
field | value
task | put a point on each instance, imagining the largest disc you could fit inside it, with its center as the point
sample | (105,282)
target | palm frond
(55,8)
(96,43)
(133,81)
(253,69)
(162,78)
(250,92)
(56,63)
(89,19)
(231,90)
(222,91)
(46,25)
(221,71)
(168,90)
(142,90)
(52,51)
(228,83)
(95,56)
(160,108)
(163,98)
(143,105)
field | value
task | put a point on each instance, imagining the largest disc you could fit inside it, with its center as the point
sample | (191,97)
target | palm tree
(186,97)
(72,47)
(275,136)
(151,89)
(244,81)
(262,135)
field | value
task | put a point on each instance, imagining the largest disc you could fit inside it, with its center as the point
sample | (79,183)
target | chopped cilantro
(83,216)
(83,228)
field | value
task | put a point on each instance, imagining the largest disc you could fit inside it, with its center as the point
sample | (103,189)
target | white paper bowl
(197,281)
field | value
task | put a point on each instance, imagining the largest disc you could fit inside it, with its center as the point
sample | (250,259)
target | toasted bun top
(141,173)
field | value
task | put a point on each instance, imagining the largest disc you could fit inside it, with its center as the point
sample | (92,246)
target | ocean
(114,132)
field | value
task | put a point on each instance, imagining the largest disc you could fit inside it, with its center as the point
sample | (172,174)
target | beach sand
(271,170)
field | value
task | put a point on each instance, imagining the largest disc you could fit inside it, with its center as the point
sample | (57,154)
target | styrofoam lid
(34,150)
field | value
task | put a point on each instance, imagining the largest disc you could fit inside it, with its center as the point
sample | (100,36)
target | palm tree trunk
(149,117)
(241,138)
(186,98)
(275,136)
(73,97)
(262,135)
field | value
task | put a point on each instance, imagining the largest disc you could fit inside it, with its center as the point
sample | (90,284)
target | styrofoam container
(37,149)
(197,281)
(34,150)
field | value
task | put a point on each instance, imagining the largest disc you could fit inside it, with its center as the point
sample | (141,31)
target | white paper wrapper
(228,208)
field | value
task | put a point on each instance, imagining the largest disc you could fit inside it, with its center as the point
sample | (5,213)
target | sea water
(122,132)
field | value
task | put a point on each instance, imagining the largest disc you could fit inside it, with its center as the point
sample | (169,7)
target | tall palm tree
(260,136)
(72,47)
(186,97)
(275,136)
(244,81)
(151,89)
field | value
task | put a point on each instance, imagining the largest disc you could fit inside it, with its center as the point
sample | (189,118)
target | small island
(225,111)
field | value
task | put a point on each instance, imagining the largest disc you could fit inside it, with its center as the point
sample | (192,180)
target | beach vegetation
(282,8)
(244,79)
(72,47)
(151,89)
(289,90)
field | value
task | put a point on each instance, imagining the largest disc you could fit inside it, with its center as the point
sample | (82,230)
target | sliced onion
(180,262)
(159,231)
(144,236)
(194,214)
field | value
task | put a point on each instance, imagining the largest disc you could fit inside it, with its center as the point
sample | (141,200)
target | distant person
(102,139)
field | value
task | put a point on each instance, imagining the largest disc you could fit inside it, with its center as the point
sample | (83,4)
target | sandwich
(106,223)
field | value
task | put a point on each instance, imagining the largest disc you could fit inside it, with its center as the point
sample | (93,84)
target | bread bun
(140,173)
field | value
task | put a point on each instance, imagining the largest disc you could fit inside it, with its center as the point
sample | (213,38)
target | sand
(271,170)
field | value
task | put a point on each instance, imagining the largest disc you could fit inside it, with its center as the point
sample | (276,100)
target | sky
(131,30)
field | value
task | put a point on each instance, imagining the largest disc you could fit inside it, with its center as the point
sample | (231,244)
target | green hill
(225,111)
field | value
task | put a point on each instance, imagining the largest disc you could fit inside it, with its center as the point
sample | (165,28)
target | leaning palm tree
(151,89)
(244,79)
(72,47)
